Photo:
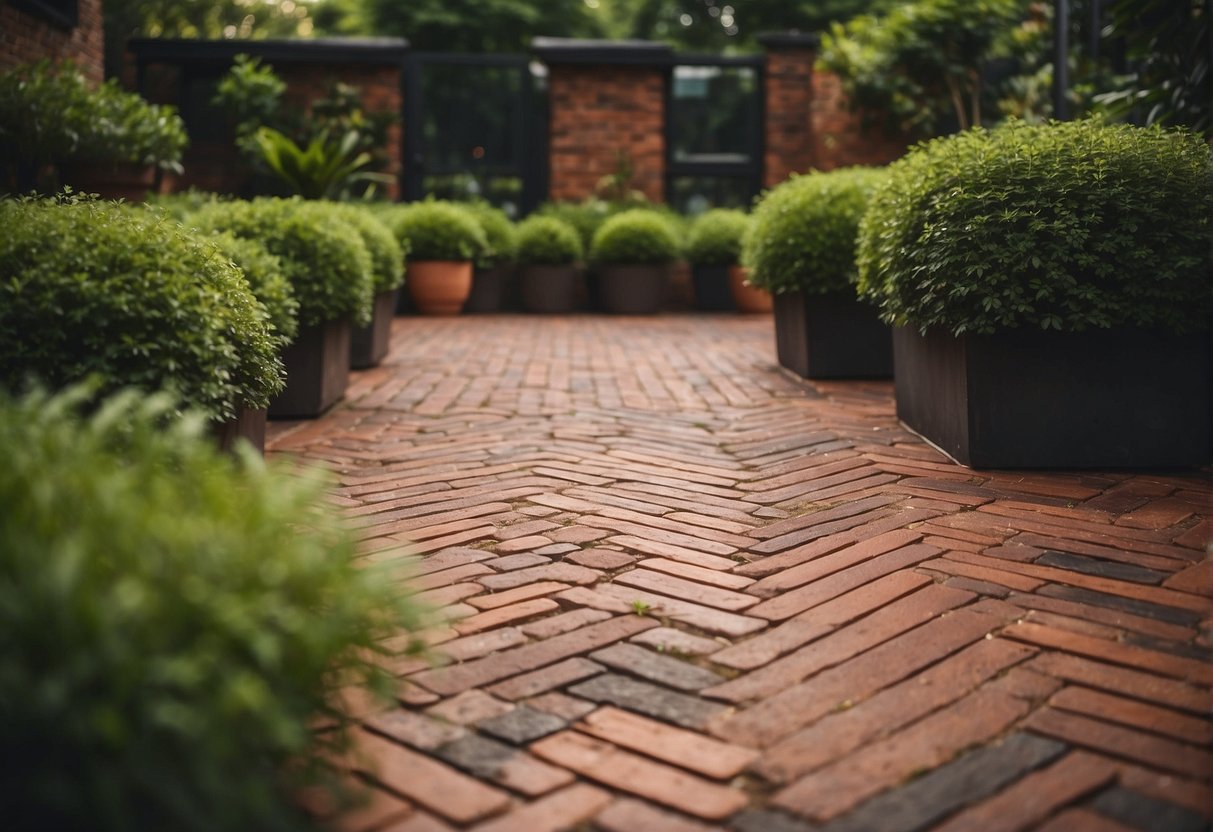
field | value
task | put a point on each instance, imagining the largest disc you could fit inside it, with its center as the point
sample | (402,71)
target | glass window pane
(712,111)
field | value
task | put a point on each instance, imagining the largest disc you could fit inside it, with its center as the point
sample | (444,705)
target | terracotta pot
(748,298)
(111,180)
(439,287)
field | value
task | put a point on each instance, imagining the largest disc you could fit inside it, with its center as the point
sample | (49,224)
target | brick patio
(687,591)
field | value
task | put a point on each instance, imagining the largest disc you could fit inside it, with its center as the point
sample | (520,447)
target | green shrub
(1061,226)
(181,205)
(804,231)
(714,237)
(586,217)
(387,256)
(547,241)
(499,234)
(435,230)
(324,259)
(636,237)
(265,277)
(92,288)
(172,620)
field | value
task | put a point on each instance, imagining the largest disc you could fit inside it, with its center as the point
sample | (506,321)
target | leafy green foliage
(547,241)
(585,217)
(327,168)
(1062,226)
(324,258)
(638,236)
(51,114)
(714,237)
(182,204)
(91,288)
(437,230)
(803,237)
(499,233)
(251,92)
(387,256)
(265,277)
(173,621)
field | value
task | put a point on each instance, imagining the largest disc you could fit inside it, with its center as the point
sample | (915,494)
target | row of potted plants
(1042,293)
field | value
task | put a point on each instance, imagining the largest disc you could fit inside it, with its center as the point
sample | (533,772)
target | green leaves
(437,230)
(547,241)
(638,236)
(714,238)
(326,169)
(499,233)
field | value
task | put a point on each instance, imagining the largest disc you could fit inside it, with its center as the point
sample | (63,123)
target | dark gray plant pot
(551,290)
(1124,398)
(249,425)
(370,344)
(487,290)
(712,292)
(831,335)
(317,371)
(632,290)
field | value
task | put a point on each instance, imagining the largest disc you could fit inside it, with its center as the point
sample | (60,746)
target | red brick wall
(598,112)
(25,38)
(838,135)
(789,135)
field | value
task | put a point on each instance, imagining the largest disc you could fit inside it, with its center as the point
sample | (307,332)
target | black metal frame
(64,14)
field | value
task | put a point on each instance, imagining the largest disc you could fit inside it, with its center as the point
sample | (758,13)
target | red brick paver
(684,590)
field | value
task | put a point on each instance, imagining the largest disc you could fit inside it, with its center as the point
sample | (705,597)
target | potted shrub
(548,252)
(443,240)
(1051,287)
(369,344)
(495,265)
(802,250)
(713,246)
(94,290)
(174,624)
(633,251)
(330,273)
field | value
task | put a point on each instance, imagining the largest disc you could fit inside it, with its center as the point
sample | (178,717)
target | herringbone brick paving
(686,591)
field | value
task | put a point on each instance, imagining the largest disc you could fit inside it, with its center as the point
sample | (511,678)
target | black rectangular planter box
(369,344)
(1122,398)
(712,288)
(831,335)
(249,424)
(317,371)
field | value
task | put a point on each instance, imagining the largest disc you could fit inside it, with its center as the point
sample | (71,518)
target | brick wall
(788,123)
(598,112)
(838,135)
(26,37)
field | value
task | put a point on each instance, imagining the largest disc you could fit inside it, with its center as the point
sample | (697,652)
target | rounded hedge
(804,231)
(499,233)
(386,253)
(636,237)
(94,288)
(547,241)
(265,277)
(436,230)
(173,622)
(1060,226)
(324,259)
(714,238)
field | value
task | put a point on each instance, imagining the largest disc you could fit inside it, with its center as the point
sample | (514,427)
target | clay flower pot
(748,298)
(439,287)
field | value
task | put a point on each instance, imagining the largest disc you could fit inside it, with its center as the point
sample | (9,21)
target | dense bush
(585,217)
(172,622)
(435,230)
(803,237)
(182,204)
(636,237)
(265,277)
(714,238)
(547,241)
(89,287)
(1059,226)
(386,253)
(325,261)
(499,234)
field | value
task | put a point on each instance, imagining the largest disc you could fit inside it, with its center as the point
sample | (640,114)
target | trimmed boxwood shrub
(93,288)
(386,253)
(323,258)
(714,238)
(636,237)
(265,277)
(547,241)
(172,620)
(803,236)
(499,234)
(1061,226)
(585,217)
(436,230)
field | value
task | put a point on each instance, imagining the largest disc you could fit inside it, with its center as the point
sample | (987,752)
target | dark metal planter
(551,290)
(249,425)
(369,344)
(712,293)
(632,290)
(1030,399)
(317,371)
(831,335)
(487,290)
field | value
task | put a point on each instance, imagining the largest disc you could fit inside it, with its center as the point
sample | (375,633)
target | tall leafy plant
(327,168)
